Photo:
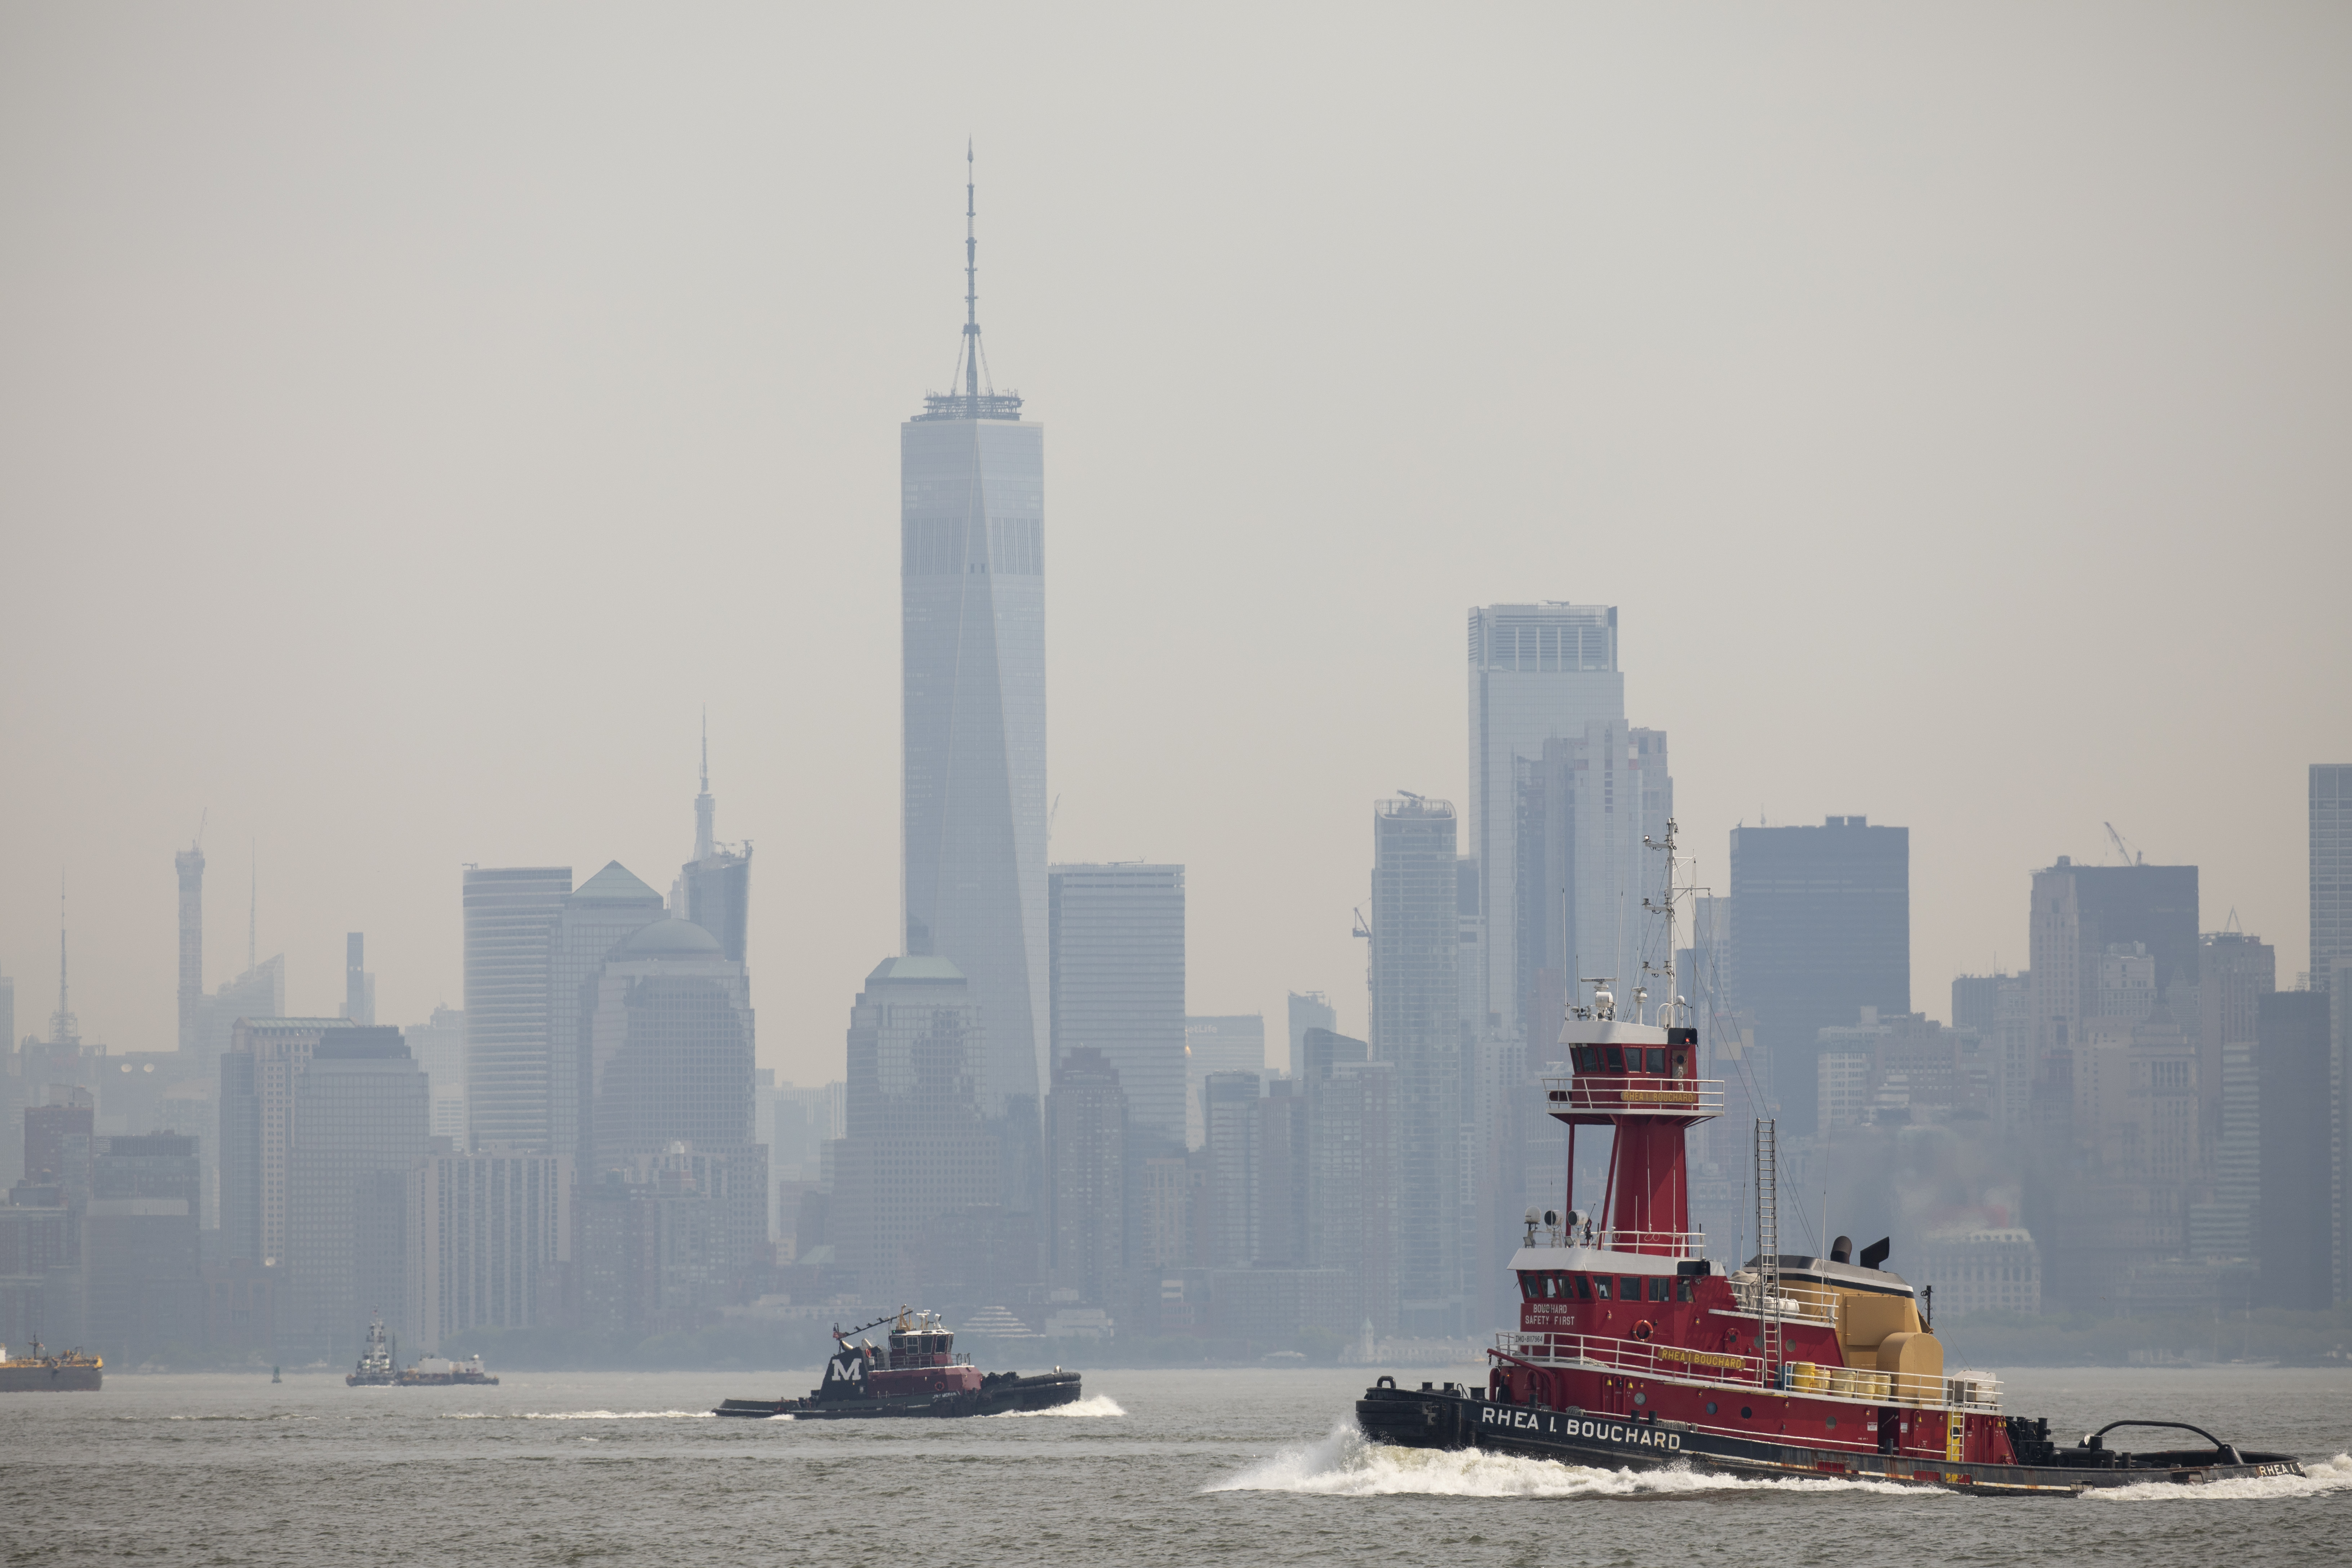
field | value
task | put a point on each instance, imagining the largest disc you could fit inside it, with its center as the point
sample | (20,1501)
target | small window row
(1538,1287)
(1630,1058)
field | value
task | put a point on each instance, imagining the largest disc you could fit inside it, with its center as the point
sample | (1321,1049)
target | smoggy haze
(410,418)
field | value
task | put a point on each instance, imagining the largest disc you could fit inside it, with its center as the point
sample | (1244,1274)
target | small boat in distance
(440,1372)
(918,1372)
(374,1370)
(41,1373)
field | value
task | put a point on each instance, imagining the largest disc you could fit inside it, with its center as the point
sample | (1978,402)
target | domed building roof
(670,939)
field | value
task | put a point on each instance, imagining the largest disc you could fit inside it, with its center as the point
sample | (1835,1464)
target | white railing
(1971,1391)
(1748,1293)
(1677,1243)
(1634,1094)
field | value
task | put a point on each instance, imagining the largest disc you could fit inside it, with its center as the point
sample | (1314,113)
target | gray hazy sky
(411,414)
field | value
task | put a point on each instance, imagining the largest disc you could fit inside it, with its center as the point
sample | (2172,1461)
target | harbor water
(1175,1467)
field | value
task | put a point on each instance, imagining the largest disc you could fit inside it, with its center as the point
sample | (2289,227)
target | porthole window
(1746,1412)
(1710,1407)
(1641,1399)
(1833,1422)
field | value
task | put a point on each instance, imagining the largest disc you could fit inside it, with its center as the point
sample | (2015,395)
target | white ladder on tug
(1767,1242)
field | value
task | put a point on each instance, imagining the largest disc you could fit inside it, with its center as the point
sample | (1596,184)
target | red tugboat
(1635,1350)
(920,1374)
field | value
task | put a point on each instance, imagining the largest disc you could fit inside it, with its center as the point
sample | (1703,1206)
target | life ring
(1643,1330)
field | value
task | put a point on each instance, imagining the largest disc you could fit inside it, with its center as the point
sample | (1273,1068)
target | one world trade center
(972,584)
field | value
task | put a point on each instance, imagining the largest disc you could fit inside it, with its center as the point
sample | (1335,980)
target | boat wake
(1344,1465)
(575,1414)
(1080,1410)
(2326,1475)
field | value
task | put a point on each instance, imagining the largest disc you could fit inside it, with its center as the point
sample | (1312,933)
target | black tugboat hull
(1002,1398)
(1426,1418)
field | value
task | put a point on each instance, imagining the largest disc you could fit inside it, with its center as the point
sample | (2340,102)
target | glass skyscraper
(972,599)
(1536,672)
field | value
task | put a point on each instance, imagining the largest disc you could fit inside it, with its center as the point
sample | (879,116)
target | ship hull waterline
(1453,1420)
(1043,1391)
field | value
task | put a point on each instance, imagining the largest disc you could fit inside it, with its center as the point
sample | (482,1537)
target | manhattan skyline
(402,521)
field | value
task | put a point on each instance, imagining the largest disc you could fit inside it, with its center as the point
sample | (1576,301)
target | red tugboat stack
(1633,1349)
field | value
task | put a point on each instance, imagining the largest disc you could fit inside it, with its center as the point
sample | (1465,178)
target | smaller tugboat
(41,1373)
(439,1372)
(918,1374)
(374,1370)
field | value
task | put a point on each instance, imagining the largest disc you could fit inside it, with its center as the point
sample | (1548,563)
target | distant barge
(40,1372)
(918,1372)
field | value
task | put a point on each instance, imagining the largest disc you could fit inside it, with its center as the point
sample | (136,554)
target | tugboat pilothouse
(1633,1349)
(919,1373)
(375,1369)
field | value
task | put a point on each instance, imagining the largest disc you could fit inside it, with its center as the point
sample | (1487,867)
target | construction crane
(2131,857)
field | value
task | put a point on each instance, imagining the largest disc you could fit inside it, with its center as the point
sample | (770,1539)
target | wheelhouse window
(1629,1288)
(1600,1284)
(1659,1285)
(1583,1287)
(1684,1289)
(1531,1286)
(1616,1059)
(1657,1059)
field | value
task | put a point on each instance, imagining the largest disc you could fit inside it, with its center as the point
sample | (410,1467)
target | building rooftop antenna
(705,840)
(970,278)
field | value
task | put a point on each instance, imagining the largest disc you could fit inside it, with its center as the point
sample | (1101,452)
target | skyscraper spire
(253,906)
(64,1030)
(971,281)
(704,841)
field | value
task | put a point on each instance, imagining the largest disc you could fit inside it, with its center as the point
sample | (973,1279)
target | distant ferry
(1634,1350)
(918,1374)
(41,1373)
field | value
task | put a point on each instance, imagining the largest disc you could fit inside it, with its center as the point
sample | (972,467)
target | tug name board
(1552,1424)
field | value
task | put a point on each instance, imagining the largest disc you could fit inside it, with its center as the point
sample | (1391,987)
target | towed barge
(1635,1350)
(918,1371)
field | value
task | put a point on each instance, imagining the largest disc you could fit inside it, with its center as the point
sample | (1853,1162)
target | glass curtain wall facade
(1118,982)
(1537,671)
(511,915)
(973,648)
(1415,1027)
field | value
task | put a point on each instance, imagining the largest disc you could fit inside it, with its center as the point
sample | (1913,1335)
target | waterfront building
(2295,1229)
(1416,1027)
(257,1077)
(972,603)
(1086,1143)
(1820,928)
(916,1143)
(597,919)
(359,1115)
(487,1238)
(1117,938)
(138,1244)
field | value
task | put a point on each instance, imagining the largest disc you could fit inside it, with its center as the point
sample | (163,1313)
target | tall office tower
(1086,1150)
(485,1235)
(358,986)
(511,915)
(359,1115)
(2331,871)
(672,1043)
(190,864)
(1308,1010)
(973,587)
(1584,804)
(1278,1226)
(2234,973)
(1225,1229)
(258,1075)
(1227,1042)
(1116,978)
(139,1243)
(915,1145)
(1415,1025)
(601,914)
(1997,1008)
(717,880)
(258,993)
(1351,1174)
(1537,671)
(439,1047)
(2295,1232)
(57,1136)
(1820,928)
(2078,913)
